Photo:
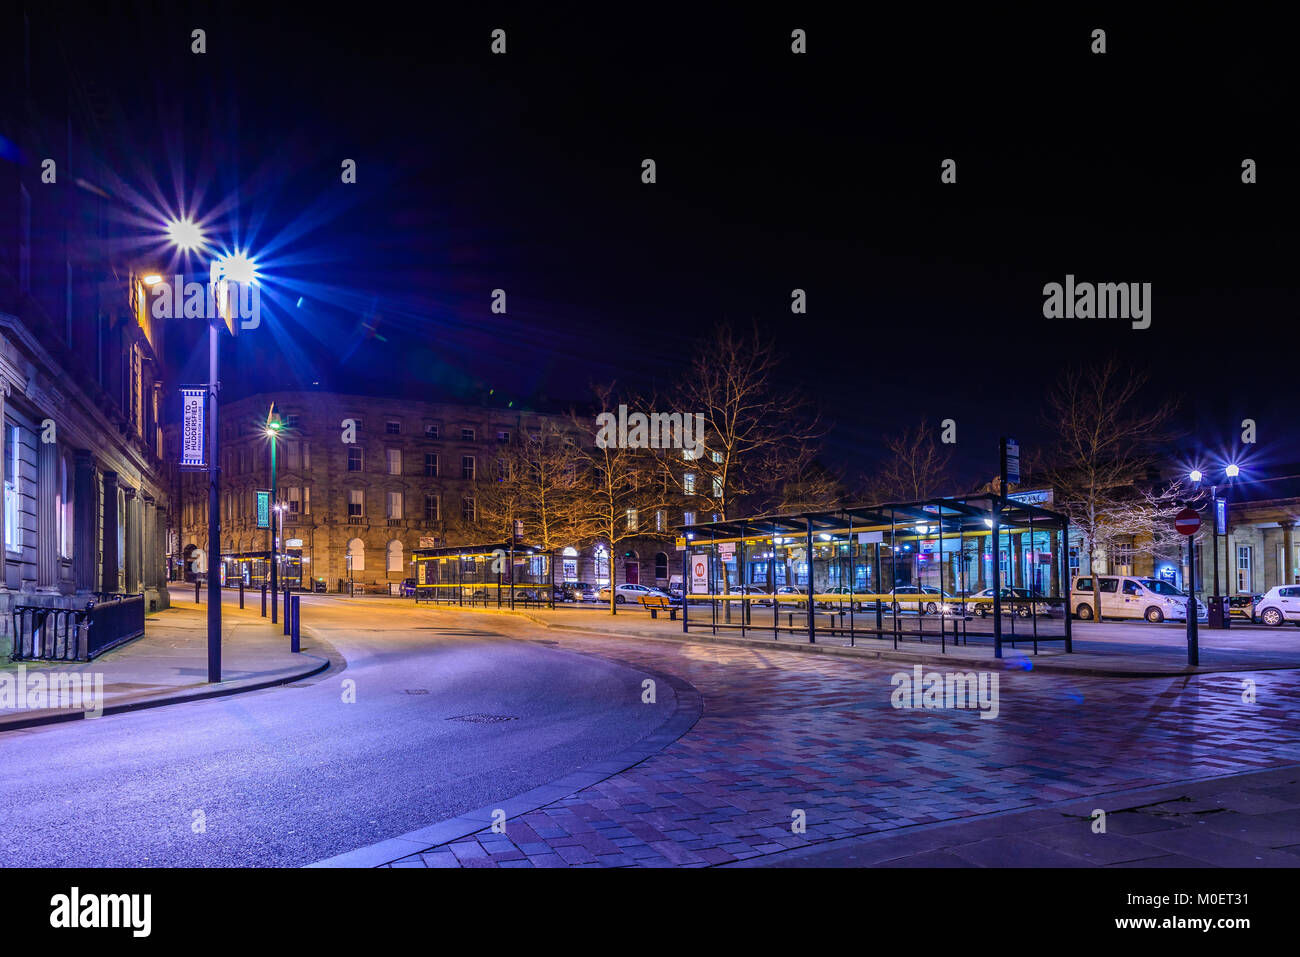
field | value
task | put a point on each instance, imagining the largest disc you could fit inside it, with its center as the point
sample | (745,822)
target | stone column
(131,560)
(112,560)
(85,510)
(47,538)
(1288,554)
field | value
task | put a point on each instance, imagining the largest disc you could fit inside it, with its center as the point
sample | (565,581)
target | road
(291,775)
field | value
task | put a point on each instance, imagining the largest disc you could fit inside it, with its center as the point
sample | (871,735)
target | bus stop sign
(1188,521)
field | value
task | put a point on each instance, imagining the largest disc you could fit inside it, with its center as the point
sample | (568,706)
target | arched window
(661,565)
(602,565)
(570,567)
(357,554)
(395,556)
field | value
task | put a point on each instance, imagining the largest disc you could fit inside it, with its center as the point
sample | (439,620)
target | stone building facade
(413,473)
(85,497)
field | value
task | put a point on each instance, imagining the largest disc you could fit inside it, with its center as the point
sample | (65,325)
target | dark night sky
(775,171)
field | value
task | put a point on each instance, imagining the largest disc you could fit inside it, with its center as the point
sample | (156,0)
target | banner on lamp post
(192,428)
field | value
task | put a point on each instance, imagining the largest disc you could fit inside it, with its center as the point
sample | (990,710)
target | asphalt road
(295,774)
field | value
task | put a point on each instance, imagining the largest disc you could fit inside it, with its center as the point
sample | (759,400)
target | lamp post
(1219,617)
(273,427)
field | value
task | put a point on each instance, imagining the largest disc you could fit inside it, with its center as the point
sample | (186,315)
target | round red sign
(1188,521)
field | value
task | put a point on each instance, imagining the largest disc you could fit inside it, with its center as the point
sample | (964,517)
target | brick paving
(783,732)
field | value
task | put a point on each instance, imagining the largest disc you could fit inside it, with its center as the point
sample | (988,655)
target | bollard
(263,599)
(286,611)
(241,593)
(293,639)
(196,591)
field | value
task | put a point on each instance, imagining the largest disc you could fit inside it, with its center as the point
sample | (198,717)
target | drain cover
(482,718)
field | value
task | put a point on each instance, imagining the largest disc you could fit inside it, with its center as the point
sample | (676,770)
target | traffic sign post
(1188,522)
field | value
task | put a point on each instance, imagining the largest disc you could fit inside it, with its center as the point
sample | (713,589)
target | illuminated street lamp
(272,431)
(1219,617)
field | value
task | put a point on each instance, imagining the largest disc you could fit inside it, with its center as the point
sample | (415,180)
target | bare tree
(917,467)
(759,433)
(1107,445)
(622,486)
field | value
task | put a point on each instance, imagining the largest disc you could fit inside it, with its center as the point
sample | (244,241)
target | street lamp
(272,431)
(1219,617)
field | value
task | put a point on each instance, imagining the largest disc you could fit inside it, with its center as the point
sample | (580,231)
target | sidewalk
(169,664)
(1115,649)
(1242,820)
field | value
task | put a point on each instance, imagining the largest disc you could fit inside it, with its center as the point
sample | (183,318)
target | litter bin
(319,585)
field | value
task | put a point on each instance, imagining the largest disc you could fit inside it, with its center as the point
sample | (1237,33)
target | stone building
(414,473)
(80,383)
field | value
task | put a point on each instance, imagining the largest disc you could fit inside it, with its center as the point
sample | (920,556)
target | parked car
(408,587)
(1280,604)
(578,591)
(626,593)
(846,602)
(1014,600)
(1243,606)
(1126,596)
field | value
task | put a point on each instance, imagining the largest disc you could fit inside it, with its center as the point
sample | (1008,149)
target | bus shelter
(507,574)
(980,567)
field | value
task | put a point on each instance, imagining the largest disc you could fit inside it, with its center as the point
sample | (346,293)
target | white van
(1125,596)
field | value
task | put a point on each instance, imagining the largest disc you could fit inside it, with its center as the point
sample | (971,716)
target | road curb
(689,707)
(158,701)
(910,657)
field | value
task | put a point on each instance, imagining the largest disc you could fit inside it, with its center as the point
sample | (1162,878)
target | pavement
(806,752)
(168,664)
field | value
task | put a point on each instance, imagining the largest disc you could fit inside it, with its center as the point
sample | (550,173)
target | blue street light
(1219,617)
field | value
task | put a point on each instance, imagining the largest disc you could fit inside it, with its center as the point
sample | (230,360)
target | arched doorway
(356,556)
(569,570)
(631,568)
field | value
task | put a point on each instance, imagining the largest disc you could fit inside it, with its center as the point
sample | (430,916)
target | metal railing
(76,634)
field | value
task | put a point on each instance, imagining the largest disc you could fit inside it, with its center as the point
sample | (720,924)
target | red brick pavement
(783,732)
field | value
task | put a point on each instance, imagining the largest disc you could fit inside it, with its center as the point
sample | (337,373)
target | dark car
(579,591)
(408,587)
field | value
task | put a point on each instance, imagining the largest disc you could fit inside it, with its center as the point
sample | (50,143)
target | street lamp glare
(1196,475)
(1232,471)
(238,267)
(185,234)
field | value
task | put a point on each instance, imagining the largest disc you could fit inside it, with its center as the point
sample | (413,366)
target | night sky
(775,171)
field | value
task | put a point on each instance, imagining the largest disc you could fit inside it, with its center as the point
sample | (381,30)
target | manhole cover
(482,718)
(416,691)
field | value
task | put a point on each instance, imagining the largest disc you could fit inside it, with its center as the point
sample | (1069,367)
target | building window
(661,565)
(717,486)
(467,508)
(355,459)
(356,503)
(64,511)
(13,528)
(1123,559)
(290,421)
(688,483)
(432,432)
(295,500)
(467,435)
(293,455)
(356,555)
(394,504)
(467,466)
(395,563)
(659,520)
(688,518)
(430,464)
(394,461)
(432,513)
(717,457)
(570,564)
(392,427)
(503,436)
(602,566)
(631,520)
(1243,568)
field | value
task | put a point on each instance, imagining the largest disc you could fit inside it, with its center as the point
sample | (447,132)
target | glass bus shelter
(507,574)
(944,570)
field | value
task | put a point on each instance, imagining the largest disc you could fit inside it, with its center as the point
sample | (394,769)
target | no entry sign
(1188,521)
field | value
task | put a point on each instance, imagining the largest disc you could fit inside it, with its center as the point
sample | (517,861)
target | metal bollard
(287,623)
(263,599)
(241,593)
(196,591)
(293,637)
